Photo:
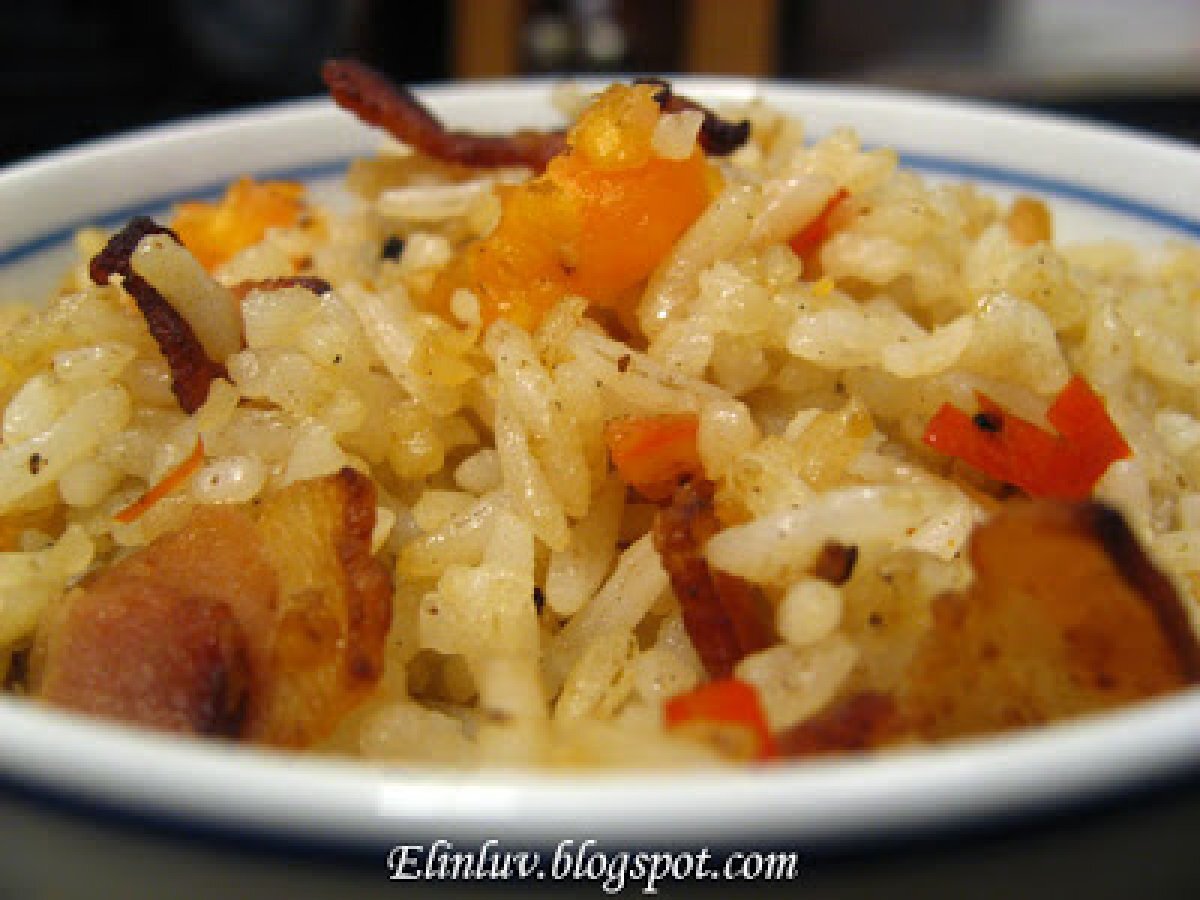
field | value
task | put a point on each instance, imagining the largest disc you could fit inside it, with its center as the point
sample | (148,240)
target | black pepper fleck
(36,462)
(392,248)
(986,421)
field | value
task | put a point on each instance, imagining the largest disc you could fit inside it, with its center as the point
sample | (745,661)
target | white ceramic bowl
(139,806)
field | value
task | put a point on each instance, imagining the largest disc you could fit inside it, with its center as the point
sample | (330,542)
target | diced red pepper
(654,453)
(172,480)
(1063,466)
(1079,415)
(728,704)
(814,234)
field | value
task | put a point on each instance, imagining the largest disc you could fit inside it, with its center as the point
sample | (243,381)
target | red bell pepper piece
(1063,466)
(728,703)
(654,453)
(813,235)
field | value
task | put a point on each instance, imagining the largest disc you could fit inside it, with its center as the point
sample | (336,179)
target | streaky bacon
(264,622)
(725,616)
(718,136)
(378,101)
(191,369)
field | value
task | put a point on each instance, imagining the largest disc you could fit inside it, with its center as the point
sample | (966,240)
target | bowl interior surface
(1101,183)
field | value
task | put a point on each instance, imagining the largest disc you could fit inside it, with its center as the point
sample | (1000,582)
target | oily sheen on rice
(812,377)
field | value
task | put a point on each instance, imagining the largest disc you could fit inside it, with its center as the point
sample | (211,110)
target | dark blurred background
(75,69)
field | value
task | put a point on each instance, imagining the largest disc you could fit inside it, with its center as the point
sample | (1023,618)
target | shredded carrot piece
(215,232)
(169,483)
(1063,466)
(654,453)
(806,241)
(731,708)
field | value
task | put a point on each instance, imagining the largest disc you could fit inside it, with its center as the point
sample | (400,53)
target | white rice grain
(810,611)
(796,682)
(75,435)
(675,134)
(618,606)
(766,549)
(724,226)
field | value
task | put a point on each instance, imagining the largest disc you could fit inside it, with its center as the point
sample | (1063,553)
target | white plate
(1100,181)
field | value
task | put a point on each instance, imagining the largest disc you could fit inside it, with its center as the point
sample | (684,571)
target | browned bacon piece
(378,101)
(835,563)
(1067,615)
(859,723)
(718,137)
(264,622)
(310,282)
(191,369)
(725,616)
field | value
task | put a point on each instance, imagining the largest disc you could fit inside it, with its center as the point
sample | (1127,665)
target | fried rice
(796,334)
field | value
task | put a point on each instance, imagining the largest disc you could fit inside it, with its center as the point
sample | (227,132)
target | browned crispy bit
(378,101)
(1067,615)
(312,283)
(335,609)
(718,136)
(262,622)
(191,369)
(725,616)
(835,563)
(856,724)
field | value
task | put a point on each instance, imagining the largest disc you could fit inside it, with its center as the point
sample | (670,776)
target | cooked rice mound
(810,316)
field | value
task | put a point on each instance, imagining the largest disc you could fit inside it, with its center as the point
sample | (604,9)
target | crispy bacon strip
(725,616)
(263,622)
(378,101)
(191,369)
(313,283)
(718,137)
